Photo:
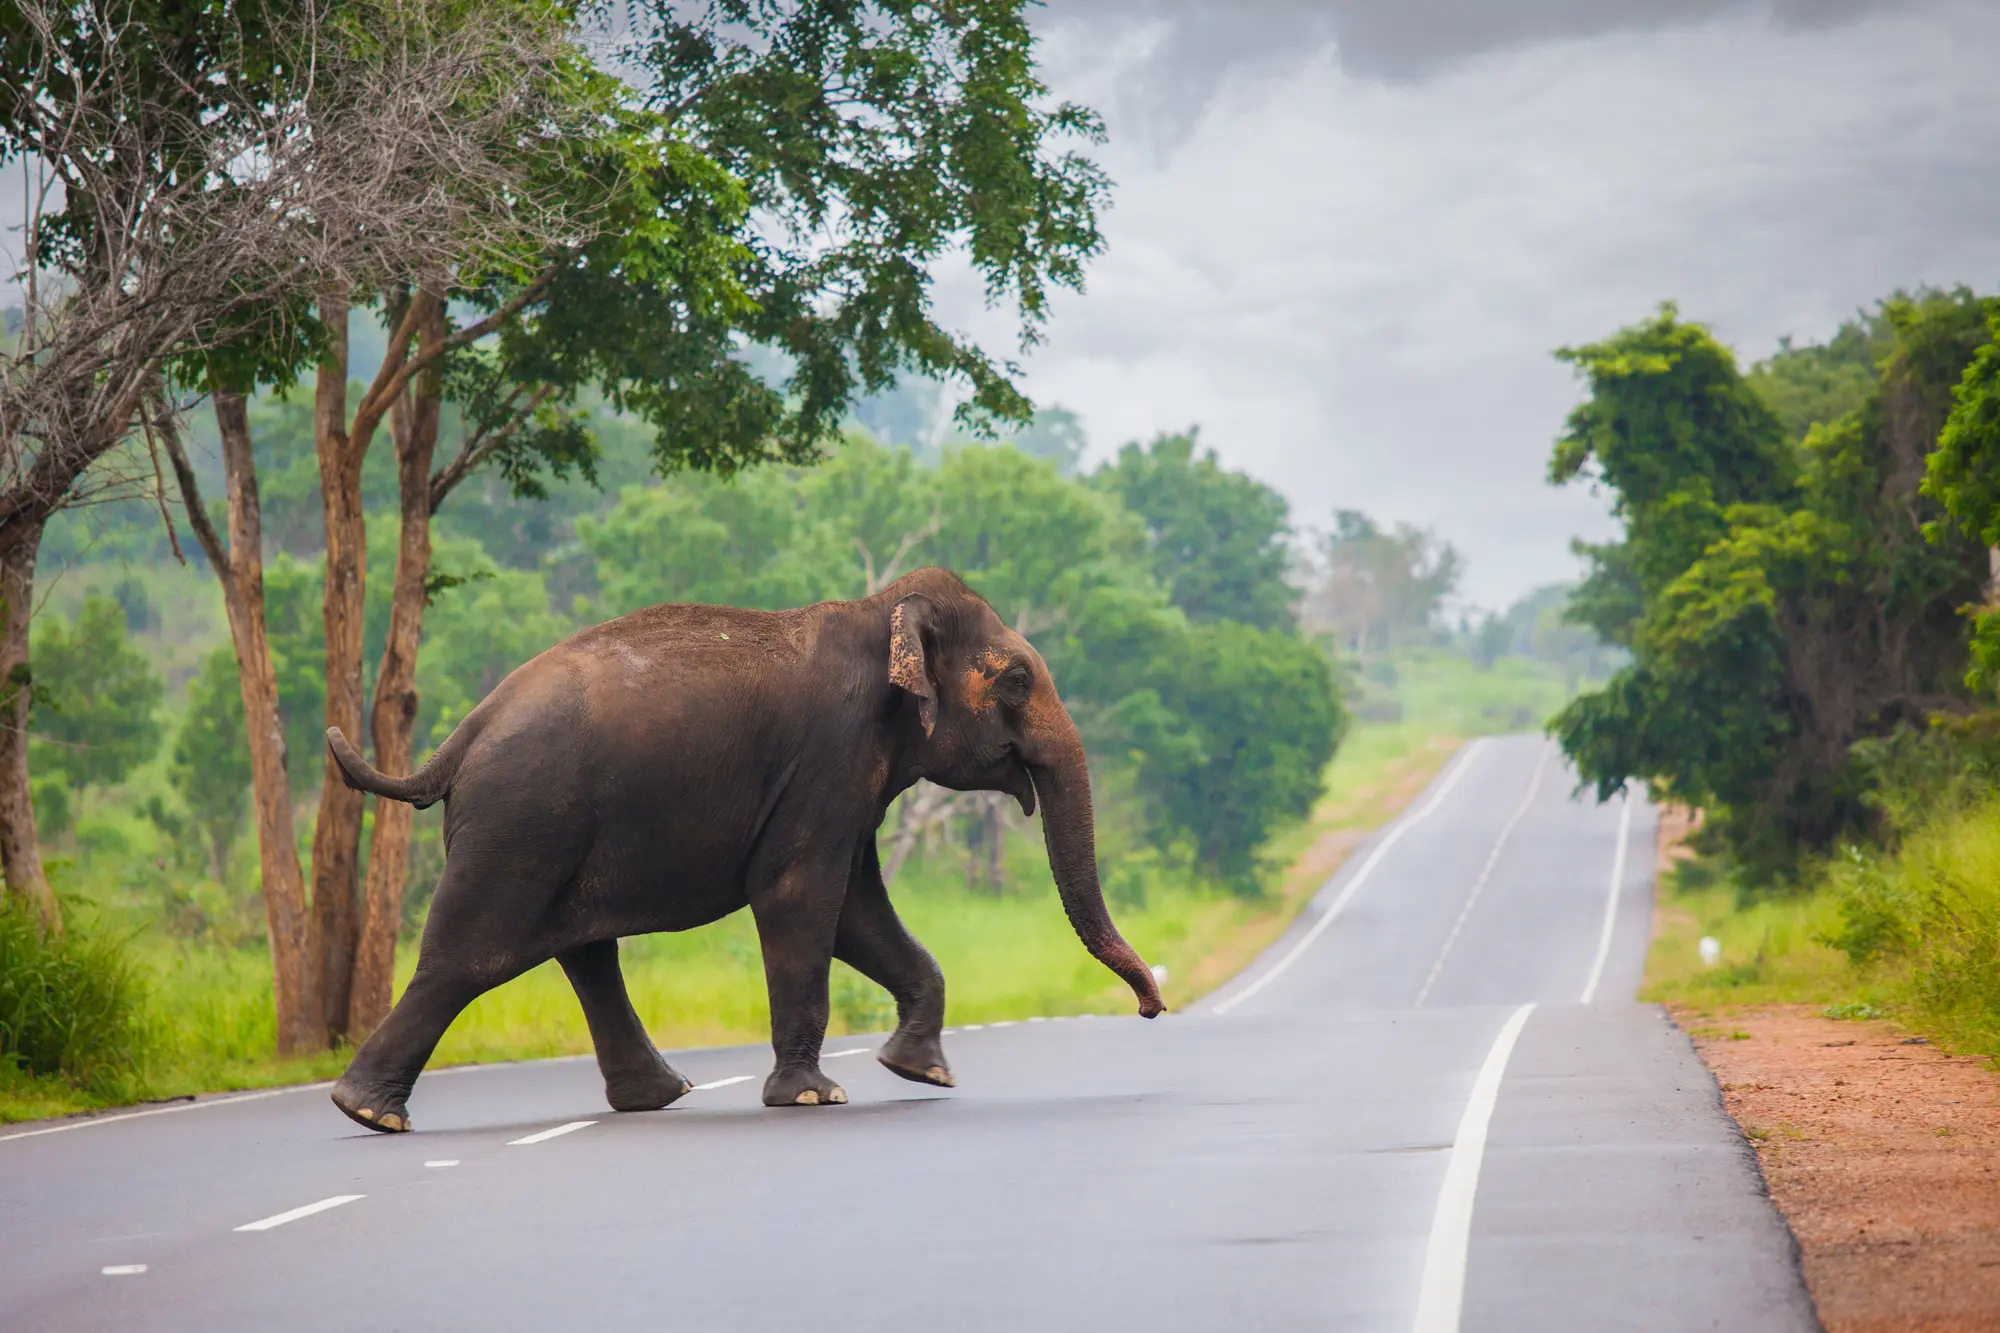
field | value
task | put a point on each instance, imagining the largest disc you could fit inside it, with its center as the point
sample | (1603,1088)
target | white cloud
(1354,285)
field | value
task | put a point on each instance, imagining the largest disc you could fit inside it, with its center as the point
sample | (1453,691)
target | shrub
(1931,911)
(69,1004)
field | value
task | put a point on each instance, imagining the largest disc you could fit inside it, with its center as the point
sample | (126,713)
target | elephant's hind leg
(472,943)
(636,1078)
(874,942)
(375,1089)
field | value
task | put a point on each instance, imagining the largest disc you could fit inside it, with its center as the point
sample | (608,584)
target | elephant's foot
(379,1106)
(802,1085)
(645,1088)
(919,1058)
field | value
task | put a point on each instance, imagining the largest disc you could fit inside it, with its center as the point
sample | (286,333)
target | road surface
(1405,1116)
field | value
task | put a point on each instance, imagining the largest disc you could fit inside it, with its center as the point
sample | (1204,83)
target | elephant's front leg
(874,942)
(636,1077)
(797,913)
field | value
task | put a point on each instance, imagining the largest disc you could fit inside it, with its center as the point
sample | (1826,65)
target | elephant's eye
(1014,686)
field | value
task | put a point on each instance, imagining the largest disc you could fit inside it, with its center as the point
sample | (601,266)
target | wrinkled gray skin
(662,770)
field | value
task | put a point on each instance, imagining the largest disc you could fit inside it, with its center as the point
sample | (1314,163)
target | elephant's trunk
(1062,781)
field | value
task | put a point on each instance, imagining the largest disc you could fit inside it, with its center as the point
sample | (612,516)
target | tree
(1788,603)
(198,166)
(1217,539)
(1374,590)
(1231,738)
(1678,436)
(96,712)
(211,759)
(1963,475)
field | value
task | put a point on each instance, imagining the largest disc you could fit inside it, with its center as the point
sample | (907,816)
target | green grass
(1441,691)
(208,1022)
(1911,934)
(1773,949)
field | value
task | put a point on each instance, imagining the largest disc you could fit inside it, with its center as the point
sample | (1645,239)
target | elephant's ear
(907,667)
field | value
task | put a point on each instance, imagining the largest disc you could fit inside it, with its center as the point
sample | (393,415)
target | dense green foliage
(211,759)
(96,704)
(1778,594)
(1215,538)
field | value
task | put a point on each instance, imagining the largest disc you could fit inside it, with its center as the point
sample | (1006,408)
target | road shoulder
(1882,1152)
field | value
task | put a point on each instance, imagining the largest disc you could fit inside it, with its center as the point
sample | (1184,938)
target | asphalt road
(1405,1116)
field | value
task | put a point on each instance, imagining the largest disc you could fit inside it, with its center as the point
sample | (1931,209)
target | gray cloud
(1194,47)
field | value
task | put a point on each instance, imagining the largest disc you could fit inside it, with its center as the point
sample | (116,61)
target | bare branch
(485,444)
(204,531)
(893,570)
(406,157)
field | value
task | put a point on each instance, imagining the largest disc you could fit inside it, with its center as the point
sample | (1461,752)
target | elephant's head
(990,720)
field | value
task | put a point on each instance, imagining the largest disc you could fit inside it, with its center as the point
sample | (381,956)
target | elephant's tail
(423,788)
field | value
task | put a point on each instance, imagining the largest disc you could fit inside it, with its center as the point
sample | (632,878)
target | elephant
(661,770)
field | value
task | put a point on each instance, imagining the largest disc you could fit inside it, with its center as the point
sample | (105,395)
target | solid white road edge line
(722,1082)
(1327,917)
(1610,902)
(164,1110)
(279,1219)
(1441,1298)
(123,1270)
(548,1134)
(1485,873)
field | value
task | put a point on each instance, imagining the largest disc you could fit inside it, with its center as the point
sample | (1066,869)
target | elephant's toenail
(838,1097)
(394,1122)
(940,1075)
(807,1098)
(366,1113)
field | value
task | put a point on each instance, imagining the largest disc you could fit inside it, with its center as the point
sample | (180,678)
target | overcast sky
(1346,236)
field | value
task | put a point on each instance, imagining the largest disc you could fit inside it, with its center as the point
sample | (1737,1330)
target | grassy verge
(208,1022)
(1911,933)
(1773,950)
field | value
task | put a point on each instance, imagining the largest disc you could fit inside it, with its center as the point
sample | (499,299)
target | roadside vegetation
(1806,592)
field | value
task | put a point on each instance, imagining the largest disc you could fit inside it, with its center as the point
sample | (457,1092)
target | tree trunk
(20,855)
(415,428)
(337,830)
(240,568)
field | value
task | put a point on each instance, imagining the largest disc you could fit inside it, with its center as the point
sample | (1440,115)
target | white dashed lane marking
(852,1050)
(548,1134)
(722,1083)
(293,1215)
(123,1270)
(443,1161)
